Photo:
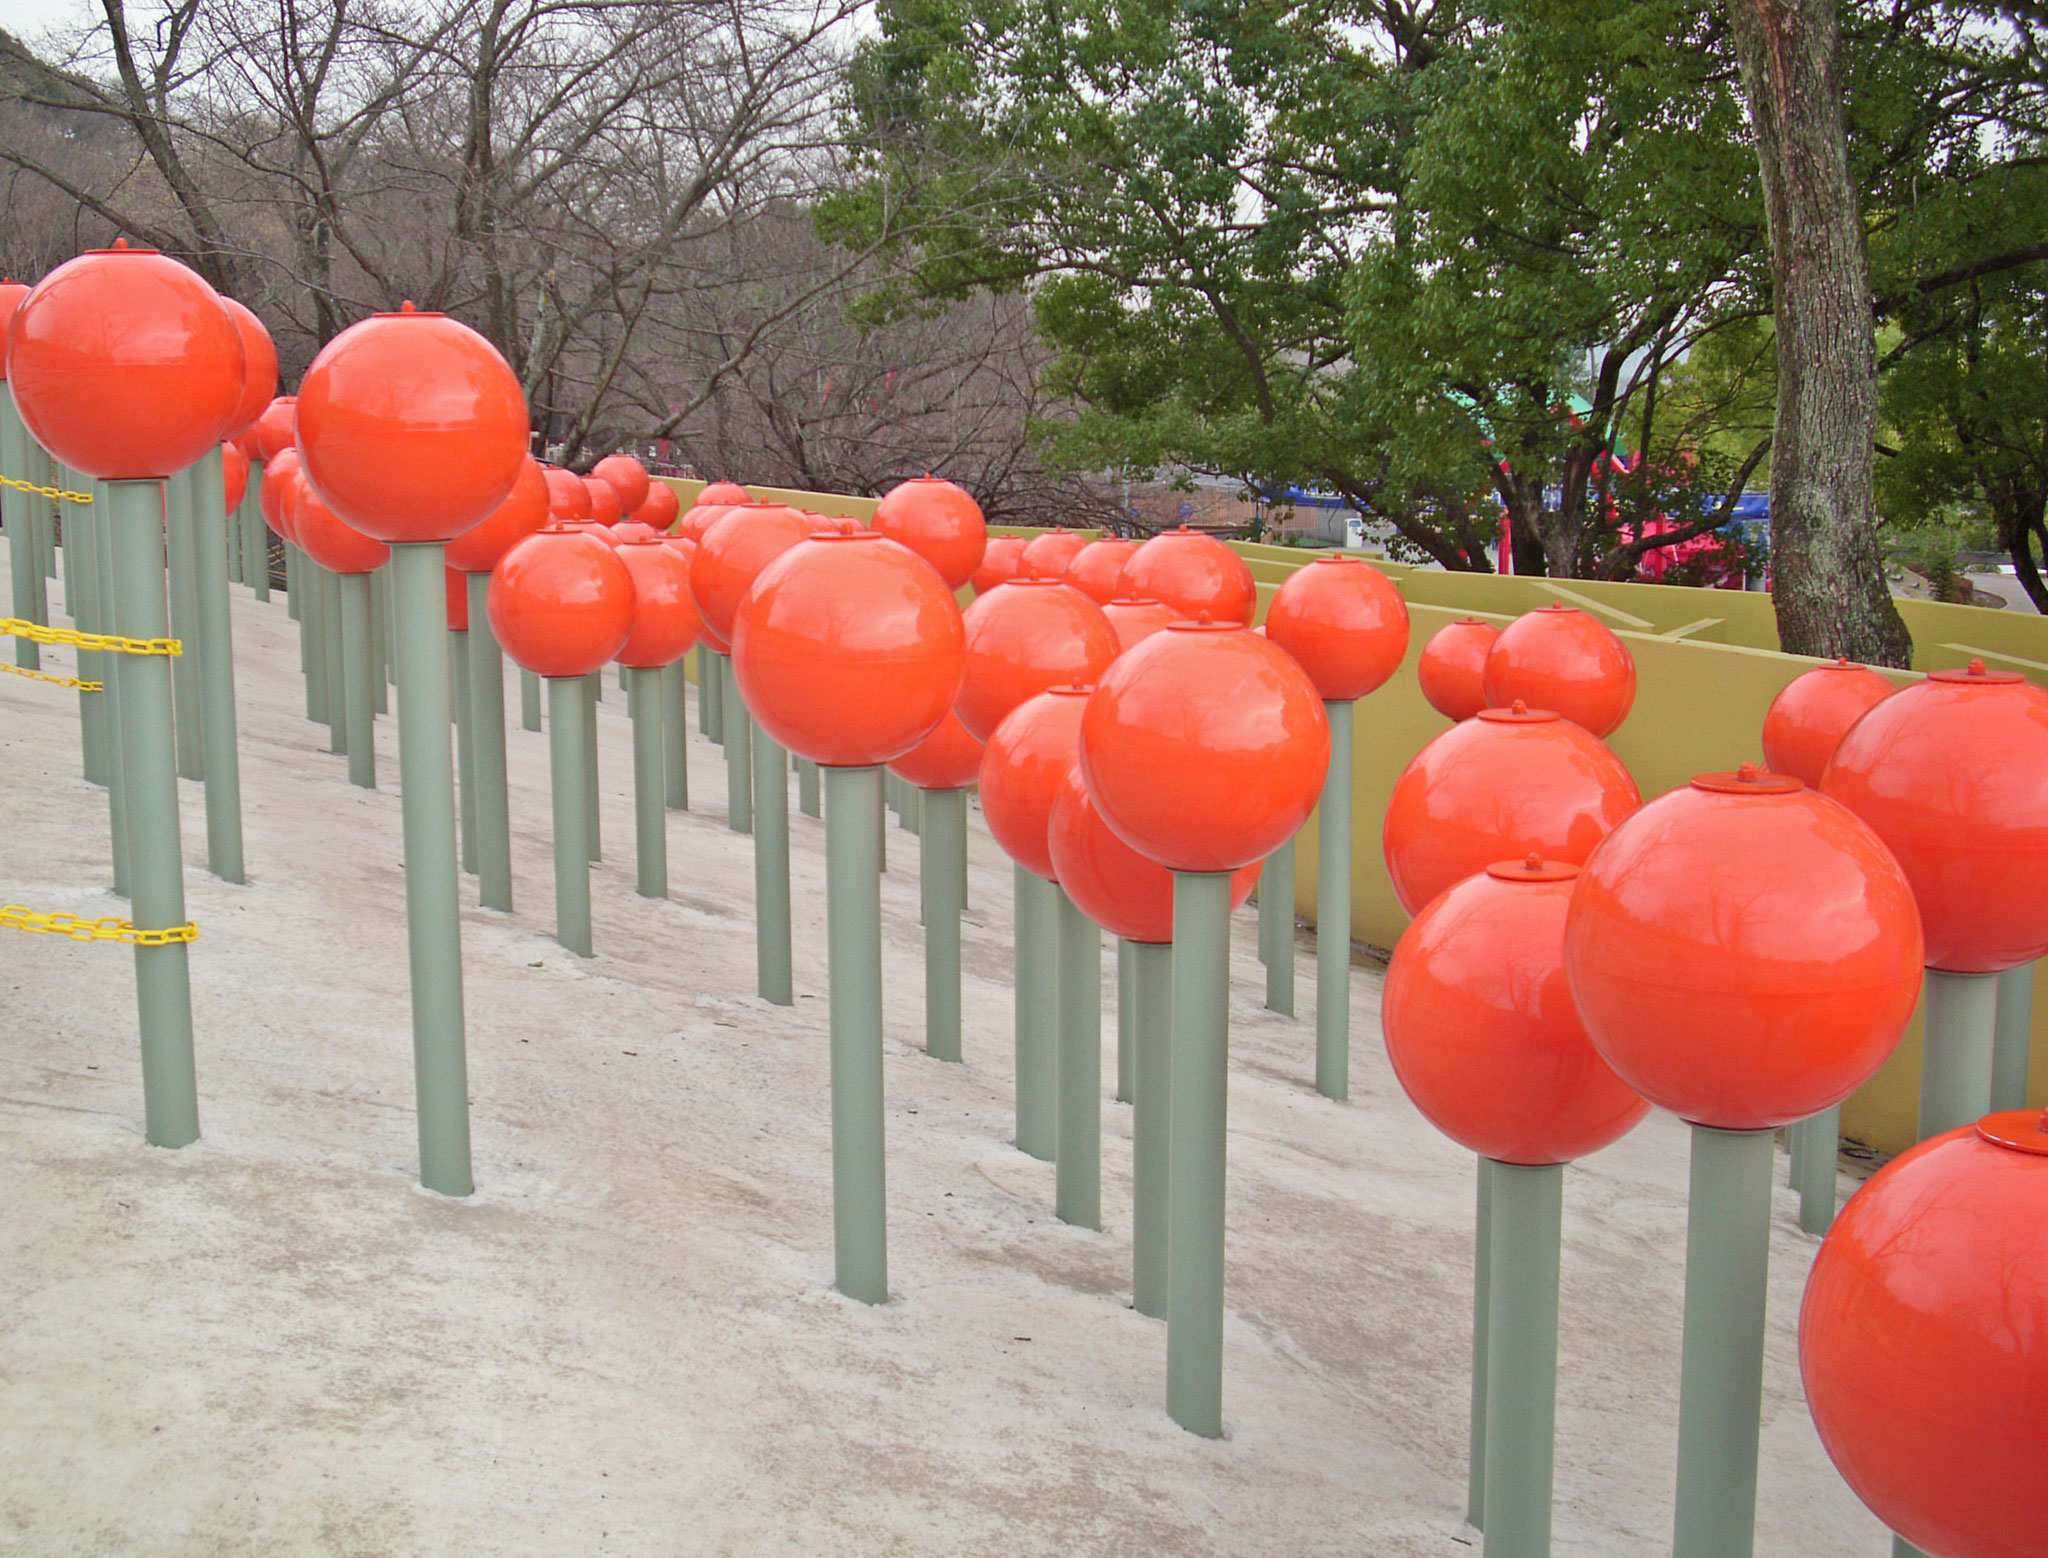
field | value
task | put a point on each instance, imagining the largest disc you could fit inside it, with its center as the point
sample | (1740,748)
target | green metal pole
(2014,1038)
(675,734)
(294,587)
(259,538)
(807,800)
(1276,931)
(908,816)
(163,988)
(529,700)
(216,667)
(231,529)
(358,666)
(1077,1122)
(114,666)
(1815,1166)
(566,695)
(739,810)
(1521,1360)
(1482,1326)
(650,797)
(465,744)
(593,686)
(179,517)
(945,813)
(771,868)
(1333,913)
(1194,1216)
(1959,1015)
(82,596)
(487,739)
(1126,1026)
(337,664)
(21,547)
(1151,1123)
(383,636)
(710,687)
(426,778)
(853,906)
(1037,979)
(1721,1363)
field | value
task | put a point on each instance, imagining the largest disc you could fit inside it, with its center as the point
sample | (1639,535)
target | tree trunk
(1828,572)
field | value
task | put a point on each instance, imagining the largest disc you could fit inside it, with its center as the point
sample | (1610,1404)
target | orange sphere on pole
(332,541)
(411,426)
(259,367)
(731,555)
(1481,1028)
(628,478)
(1745,952)
(1110,882)
(1205,747)
(568,498)
(1508,783)
(1029,755)
(1452,667)
(1813,712)
(1000,561)
(124,364)
(937,520)
(1559,657)
(11,294)
(455,587)
(665,622)
(1195,574)
(1097,570)
(696,521)
(525,510)
(1921,1346)
(1024,637)
(276,428)
(278,491)
(605,507)
(561,602)
(848,649)
(723,494)
(660,508)
(234,475)
(1137,620)
(1344,621)
(948,759)
(1047,554)
(1952,772)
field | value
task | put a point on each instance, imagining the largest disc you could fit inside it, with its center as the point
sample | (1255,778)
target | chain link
(19,628)
(14,917)
(59,681)
(58,493)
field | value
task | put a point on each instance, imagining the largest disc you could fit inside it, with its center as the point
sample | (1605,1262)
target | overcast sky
(27,19)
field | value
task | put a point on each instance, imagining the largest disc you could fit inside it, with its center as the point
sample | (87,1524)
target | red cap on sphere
(1452,667)
(1205,747)
(330,540)
(1344,621)
(11,294)
(628,478)
(664,612)
(1745,952)
(1032,751)
(1952,772)
(948,759)
(723,493)
(1921,1345)
(1047,554)
(411,426)
(1481,1028)
(1558,657)
(939,522)
(1193,573)
(605,507)
(1097,570)
(1110,882)
(1000,561)
(1813,712)
(848,649)
(234,475)
(524,511)
(1024,637)
(455,586)
(1134,621)
(1510,782)
(259,367)
(660,507)
(568,498)
(276,428)
(278,491)
(731,555)
(124,365)
(561,602)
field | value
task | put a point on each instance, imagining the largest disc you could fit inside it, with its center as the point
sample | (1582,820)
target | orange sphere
(1047,554)
(1452,667)
(1511,782)
(1097,570)
(1813,712)
(568,498)
(1921,1343)
(632,530)
(1033,749)
(731,555)
(124,365)
(664,612)
(948,759)
(1000,561)
(412,426)
(1481,1028)
(524,511)
(688,549)
(724,493)
(1953,774)
(1110,882)
(1205,747)
(1137,620)
(605,507)
(1193,573)
(11,294)
(278,491)
(276,428)
(1745,952)
(561,602)
(660,507)
(848,649)
(330,540)
(628,478)
(939,522)
(455,588)
(1024,637)
(1558,657)
(259,367)
(1344,621)
(234,475)
(696,521)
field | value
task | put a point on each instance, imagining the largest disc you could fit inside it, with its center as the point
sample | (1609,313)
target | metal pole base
(650,784)
(1521,1359)
(675,735)
(1276,929)
(945,813)
(807,800)
(1815,1165)
(2011,1050)
(1077,1192)
(1126,1026)
(1037,974)
(1960,1022)
(771,869)
(216,668)
(358,699)
(571,779)
(1333,913)
(1201,1060)
(1482,1325)
(1151,1123)
(487,751)
(854,935)
(739,781)
(529,700)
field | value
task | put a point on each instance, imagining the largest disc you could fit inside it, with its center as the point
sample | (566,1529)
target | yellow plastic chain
(14,917)
(60,681)
(19,628)
(46,492)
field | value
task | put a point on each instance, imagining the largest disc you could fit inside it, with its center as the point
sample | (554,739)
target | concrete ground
(627,1342)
